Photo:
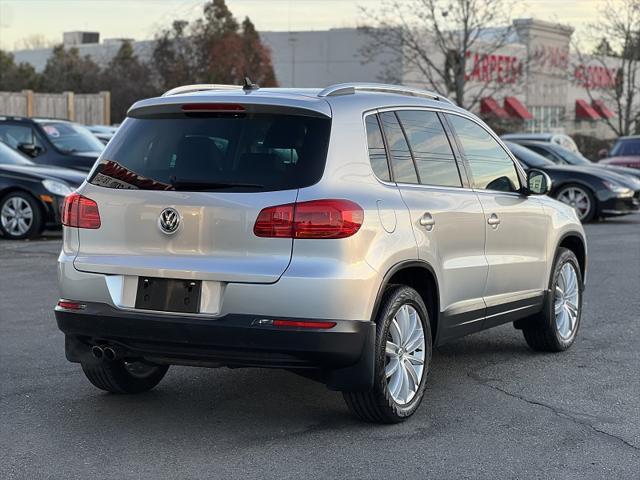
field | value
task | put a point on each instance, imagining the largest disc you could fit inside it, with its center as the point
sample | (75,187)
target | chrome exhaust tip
(110,354)
(97,352)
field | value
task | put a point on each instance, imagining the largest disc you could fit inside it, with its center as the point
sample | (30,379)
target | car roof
(630,137)
(328,101)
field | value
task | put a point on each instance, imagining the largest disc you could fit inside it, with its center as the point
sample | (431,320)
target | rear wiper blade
(200,185)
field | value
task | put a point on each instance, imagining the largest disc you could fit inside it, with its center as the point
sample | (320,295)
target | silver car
(339,233)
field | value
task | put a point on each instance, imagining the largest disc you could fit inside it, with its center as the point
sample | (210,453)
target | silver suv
(340,233)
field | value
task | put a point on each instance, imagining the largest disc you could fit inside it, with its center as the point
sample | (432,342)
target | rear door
(447,219)
(211,174)
(515,224)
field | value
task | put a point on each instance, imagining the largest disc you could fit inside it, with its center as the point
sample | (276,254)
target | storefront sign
(493,68)
(596,76)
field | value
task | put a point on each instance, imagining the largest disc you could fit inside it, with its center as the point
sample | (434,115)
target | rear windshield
(236,153)
(627,147)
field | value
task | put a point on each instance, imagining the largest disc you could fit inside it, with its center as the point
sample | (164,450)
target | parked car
(52,142)
(31,196)
(625,153)
(556,138)
(562,156)
(593,192)
(341,233)
(103,132)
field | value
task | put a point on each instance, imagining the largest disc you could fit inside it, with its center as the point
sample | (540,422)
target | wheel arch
(420,276)
(575,242)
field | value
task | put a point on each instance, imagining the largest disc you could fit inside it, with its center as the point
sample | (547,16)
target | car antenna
(249,85)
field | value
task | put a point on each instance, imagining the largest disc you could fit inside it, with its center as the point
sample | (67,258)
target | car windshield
(572,158)
(8,156)
(71,137)
(528,158)
(626,147)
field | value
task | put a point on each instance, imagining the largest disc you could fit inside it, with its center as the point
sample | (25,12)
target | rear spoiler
(236,102)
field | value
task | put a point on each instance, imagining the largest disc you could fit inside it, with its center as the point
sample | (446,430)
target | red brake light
(70,305)
(313,219)
(80,212)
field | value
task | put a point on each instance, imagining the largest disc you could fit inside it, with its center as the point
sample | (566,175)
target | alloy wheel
(16,216)
(578,199)
(405,351)
(566,301)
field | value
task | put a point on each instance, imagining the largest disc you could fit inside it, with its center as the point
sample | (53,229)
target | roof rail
(352,88)
(199,88)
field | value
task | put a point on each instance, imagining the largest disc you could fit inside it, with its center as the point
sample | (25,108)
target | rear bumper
(342,356)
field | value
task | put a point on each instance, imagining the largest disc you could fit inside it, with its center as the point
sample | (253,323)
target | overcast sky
(140,19)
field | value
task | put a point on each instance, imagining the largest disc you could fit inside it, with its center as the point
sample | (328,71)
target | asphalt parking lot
(493,408)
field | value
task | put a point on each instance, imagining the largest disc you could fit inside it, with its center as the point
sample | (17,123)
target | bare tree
(33,42)
(619,23)
(437,39)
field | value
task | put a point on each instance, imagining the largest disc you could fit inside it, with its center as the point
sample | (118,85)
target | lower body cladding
(340,352)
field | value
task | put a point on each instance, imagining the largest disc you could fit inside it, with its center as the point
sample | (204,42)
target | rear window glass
(252,152)
(627,147)
(377,152)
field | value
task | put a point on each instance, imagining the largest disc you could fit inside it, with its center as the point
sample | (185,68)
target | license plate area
(168,295)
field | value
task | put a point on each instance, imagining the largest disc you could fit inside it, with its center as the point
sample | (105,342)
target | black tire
(377,405)
(116,377)
(540,331)
(591,213)
(37,221)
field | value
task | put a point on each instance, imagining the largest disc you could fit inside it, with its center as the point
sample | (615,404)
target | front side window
(430,147)
(491,166)
(403,168)
(15,135)
(377,152)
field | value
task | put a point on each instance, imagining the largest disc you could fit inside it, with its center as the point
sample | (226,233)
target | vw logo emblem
(169,221)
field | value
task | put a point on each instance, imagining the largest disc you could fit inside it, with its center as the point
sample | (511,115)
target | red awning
(516,109)
(490,107)
(584,111)
(601,109)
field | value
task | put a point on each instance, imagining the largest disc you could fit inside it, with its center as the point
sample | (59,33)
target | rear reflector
(80,212)
(212,107)
(303,324)
(69,305)
(314,219)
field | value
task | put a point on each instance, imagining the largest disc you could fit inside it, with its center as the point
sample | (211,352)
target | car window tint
(403,169)
(430,147)
(377,153)
(14,135)
(241,153)
(544,152)
(491,166)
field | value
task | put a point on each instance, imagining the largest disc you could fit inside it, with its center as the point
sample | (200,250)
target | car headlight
(57,188)
(616,187)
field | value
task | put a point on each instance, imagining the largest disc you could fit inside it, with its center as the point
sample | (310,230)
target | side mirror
(603,153)
(538,182)
(29,149)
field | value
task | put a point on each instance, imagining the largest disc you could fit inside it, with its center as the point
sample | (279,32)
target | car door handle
(427,221)
(493,220)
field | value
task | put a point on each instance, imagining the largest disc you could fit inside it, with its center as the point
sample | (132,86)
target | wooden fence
(93,108)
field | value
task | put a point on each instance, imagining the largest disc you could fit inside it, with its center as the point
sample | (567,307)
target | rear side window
(430,147)
(377,152)
(491,167)
(247,152)
(403,168)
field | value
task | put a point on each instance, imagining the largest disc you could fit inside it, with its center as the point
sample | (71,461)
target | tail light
(81,212)
(313,219)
